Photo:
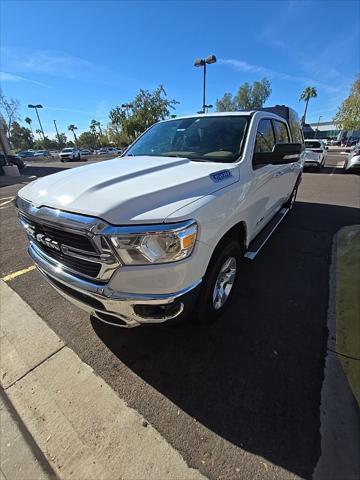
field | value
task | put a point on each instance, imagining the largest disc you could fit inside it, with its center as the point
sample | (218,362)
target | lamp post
(317,128)
(37,113)
(201,62)
(57,133)
(127,106)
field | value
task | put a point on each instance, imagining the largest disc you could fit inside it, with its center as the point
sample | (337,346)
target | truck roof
(278,110)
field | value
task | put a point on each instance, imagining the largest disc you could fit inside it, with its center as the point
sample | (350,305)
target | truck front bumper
(120,309)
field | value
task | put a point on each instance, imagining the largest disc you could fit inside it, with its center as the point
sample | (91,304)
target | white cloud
(244,66)
(46,62)
(10,77)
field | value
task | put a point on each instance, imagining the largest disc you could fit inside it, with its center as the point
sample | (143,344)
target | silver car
(352,161)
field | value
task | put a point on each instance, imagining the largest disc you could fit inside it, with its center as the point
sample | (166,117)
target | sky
(81,58)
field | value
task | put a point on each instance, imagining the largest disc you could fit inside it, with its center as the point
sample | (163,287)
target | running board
(257,244)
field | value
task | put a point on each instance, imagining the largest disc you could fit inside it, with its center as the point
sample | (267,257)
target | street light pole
(317,128)
(37,114)
(201,62)
(57,133)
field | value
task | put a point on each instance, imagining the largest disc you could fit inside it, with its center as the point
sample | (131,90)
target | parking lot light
(36,107)
(201,62)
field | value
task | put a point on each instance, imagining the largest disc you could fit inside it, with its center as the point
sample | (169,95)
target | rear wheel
(220,282)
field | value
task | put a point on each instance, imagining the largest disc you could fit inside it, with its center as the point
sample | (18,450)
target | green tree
(225,104)
(147,109)
(307,94)
(62,140)
(72,129)
(21,137)
(348,114)
(248,97)
(87,140)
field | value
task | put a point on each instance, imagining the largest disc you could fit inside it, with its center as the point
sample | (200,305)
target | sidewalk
(20,458)
(339,411)
(84,430)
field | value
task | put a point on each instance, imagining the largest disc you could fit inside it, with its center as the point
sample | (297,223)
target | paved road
(238,399)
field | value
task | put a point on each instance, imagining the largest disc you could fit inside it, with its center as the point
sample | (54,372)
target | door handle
(278,174)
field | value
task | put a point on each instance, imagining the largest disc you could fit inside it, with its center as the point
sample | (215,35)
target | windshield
(312,144)
(66,150)
(217,139)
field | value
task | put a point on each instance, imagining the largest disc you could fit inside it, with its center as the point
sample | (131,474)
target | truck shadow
(254,377)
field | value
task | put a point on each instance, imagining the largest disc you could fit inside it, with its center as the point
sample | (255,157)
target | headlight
(162,245)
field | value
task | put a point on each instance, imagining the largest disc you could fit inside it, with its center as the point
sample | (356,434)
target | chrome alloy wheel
(224,283)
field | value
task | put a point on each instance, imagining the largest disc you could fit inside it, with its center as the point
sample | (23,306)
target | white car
(352,162)
(161,234)
(316,146)
(107,151)
(68,154)
(86,151)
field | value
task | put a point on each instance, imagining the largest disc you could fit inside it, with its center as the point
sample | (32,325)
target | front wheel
(219,284)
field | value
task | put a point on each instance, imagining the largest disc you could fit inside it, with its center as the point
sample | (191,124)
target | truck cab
(160,233)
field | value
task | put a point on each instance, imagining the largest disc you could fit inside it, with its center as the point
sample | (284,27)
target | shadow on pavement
(254,377)
(29,174)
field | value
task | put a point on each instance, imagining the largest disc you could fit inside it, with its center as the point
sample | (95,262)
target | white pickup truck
(161,231)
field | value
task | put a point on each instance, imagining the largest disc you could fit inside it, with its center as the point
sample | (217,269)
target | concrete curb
(82,427)
(339,413)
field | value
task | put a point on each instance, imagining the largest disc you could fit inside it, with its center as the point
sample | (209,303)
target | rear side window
(281,132)
(265,139)
(313,144)
(296,132)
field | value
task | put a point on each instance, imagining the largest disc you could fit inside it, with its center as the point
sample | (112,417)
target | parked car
(11,160)
(316,146)
(86,151)
(107,151)
(69,154)
(161,234)
(352,162)
(42,153)
(25,154)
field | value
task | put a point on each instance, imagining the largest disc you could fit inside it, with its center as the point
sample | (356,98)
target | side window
(296,131)
(281,132)
(265,139)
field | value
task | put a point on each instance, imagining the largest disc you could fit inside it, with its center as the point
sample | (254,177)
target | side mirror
(286,152)
(282,153)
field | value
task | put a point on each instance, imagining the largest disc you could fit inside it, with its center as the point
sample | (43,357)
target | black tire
(204,311)
(62,160)
(78,157)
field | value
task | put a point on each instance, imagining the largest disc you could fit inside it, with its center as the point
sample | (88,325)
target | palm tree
(92,127)
(72,129)
(39,132)
(28,121)
(99,127)
(309,92)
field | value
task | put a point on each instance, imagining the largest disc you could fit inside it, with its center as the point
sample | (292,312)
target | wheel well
(238,232)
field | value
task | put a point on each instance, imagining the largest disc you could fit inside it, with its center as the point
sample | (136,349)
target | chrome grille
(75,248)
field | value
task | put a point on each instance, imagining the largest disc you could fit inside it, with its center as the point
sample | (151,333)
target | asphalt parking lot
(241,398)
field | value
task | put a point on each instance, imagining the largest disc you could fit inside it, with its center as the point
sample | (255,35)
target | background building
(328,130)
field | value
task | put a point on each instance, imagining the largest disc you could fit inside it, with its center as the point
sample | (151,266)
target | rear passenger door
(286,173)
(266,191)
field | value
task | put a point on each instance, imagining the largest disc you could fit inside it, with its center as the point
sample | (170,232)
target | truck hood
(143,189)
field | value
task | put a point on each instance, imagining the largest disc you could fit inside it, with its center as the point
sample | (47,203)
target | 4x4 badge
(220,176)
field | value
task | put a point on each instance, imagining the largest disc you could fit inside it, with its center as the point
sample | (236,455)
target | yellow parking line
(13,275)
(6,201)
